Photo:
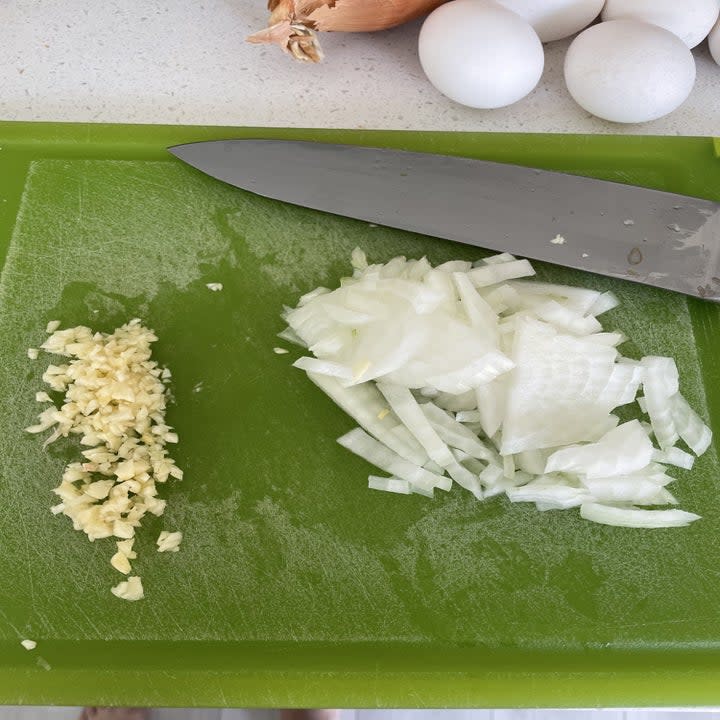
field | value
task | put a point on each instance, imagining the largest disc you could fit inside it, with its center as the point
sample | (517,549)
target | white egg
(690,20)
(556,19)
(480,54)
(628,71)
(714,42)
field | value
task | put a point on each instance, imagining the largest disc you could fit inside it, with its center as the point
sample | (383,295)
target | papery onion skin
(293,23)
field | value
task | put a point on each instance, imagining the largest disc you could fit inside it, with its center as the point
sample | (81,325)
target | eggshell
(690,20)
(714,42)
(480,54)
(556,19)
(629,71)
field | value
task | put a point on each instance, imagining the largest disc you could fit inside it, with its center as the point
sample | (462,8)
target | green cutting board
(295,584)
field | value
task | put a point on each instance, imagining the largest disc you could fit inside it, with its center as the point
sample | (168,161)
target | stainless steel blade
(646,236)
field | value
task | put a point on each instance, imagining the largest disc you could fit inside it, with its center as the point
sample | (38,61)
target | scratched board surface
(284,544)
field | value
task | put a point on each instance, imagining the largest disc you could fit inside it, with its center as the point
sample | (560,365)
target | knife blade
(623,231)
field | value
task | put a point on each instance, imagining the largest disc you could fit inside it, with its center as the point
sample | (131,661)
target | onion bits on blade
(476,375)
(293,23)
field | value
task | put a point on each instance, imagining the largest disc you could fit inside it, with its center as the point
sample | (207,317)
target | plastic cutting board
(296,585)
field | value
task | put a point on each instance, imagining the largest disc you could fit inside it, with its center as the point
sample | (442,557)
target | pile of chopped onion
(468,373)
(114,398)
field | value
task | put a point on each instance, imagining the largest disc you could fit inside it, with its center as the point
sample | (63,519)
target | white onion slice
(442,283)
(391,484)
(696,434)
(394,268)
(634,517)
(500,485)
(634,489)
(501,298)
(466,479)
(508,467)
(479,312)
(575,298)
(660,383)
(291,336)
(496,259)
(547,505)
(492,475)
(565,319)
(360,443)
(308,296)
(419,490)
(490,400)
(455,266)
(474,465)
(612,339)
(674,456)
(624,382)
(562,389)
(323,367)
(560,496)
(468,416)
(492,274)
(406,407)
(476,373)
(455,403)
(358,259)
(417,269)
(663,497)
(364,404)
(622,451)
(606,301)
(433,467)
(533,461)
(455,434)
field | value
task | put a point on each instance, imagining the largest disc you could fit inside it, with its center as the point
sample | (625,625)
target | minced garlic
(115,402)
(130,589)
(169,541)
(121,563)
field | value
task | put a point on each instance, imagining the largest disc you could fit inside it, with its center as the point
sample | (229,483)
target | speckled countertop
(186,61)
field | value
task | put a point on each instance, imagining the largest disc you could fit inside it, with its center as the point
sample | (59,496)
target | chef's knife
(646,236)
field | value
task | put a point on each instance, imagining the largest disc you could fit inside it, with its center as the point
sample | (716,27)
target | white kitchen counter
(186,62)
